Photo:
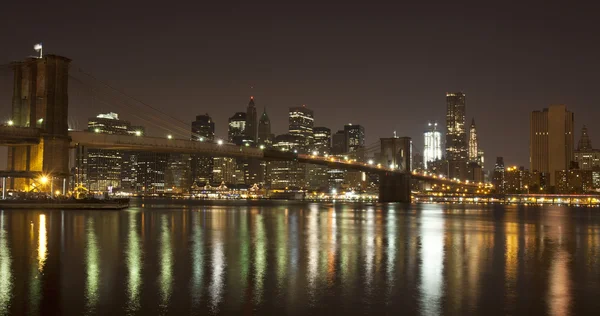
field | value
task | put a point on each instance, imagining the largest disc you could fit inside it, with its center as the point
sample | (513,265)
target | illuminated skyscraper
(301,124)
(473,142)
(237,127)
(551,140)
(203,129)
(433,145)
(264,130)
(322,140)
(586,157)
(456,137)
(355,137)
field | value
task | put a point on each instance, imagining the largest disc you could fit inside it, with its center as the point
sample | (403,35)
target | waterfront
(278,257)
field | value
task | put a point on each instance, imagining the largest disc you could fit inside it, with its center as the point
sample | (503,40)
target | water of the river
(299,258)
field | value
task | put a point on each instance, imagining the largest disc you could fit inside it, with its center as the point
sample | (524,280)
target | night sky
(385,66)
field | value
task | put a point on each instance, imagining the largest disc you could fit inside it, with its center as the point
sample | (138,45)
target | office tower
(301,122)
(551,140)
(473,153)
(224,170)
(103,167)
(178,173)
(433,145)
(286,174)
(355,137)
(265,137)
(151,169)
(456,137)
(338,140)
(322,143)
(237,128)
(586,157)
(203,129)
(498,178)
(251,122)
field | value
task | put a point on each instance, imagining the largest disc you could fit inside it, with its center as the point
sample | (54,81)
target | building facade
(585,156)
(203,129)
(355,137)
(322,144)
(551,140)
(432,149)
(251,121)
(236,130)
(301,123)
(456,137)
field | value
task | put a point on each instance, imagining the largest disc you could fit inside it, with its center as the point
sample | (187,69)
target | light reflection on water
(302,259)
(6,277)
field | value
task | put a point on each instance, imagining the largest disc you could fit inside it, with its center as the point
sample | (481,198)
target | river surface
(297,258)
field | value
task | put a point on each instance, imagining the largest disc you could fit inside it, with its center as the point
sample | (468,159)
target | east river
(277,258)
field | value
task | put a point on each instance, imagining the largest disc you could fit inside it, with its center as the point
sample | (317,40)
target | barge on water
(66,204)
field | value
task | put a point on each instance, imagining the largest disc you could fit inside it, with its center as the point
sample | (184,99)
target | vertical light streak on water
(432,264)
(511,261)
(6,277)
(133,255)
(218,269)
(244,251)
(42,254)
(391,252)
(165,279)
(92,265)
(260,260)
(312,245)
(559,294)
(294,256)
(370,249)
(282,251)
(197,261)
(331,256)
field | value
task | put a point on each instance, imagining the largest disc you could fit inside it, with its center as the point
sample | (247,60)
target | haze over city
(386,67)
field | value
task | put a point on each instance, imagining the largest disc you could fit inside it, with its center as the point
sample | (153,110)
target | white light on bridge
(96,130)
(391,166)
(220,142)
(261,146)
(138,133)
(370,161)
(315,153)
(10,123)
(295,151)
(201,139)
(170,136)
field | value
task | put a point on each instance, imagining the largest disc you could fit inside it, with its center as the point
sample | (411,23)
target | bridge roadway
(14,136)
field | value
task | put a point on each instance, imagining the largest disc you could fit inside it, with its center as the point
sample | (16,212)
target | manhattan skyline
(374,66)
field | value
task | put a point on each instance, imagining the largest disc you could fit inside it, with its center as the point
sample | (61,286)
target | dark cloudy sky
(385,66)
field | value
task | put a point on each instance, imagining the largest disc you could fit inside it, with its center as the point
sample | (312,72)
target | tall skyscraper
(456,137)
(301,124)
(498,178)
(104,167)
(322,140)
(237,128)
(264,130)
(433,145)
(473,153)
(286,174)
(203,129)
(338,141)
(551,140)
(355,137)
(251,121)
(584,141)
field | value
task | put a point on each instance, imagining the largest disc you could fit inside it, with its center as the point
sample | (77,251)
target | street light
(170,136)
(10,123)
(315,153)
(371,161)
(261,146)
(138,133)
(96,130)
(220,142)
(44,180)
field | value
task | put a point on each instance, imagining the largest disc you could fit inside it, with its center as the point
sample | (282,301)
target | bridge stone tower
(394,186)
(40,100)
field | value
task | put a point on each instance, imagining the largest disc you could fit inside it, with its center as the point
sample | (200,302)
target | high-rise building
(203,129)
(224,170)
(338,140)
(456,137)
(355,138)
(286,174)
(151,169)
(301,123)
(473,152)
(103,167)
(551,140)
(586,157)
(498,177)
(322,140)
(251,122)
(265,137)
(237,128)
(178,174)
(433,145)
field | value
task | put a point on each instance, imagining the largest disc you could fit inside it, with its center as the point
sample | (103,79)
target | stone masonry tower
(40,100)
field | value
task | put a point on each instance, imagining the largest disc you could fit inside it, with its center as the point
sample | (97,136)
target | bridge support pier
(394,187)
